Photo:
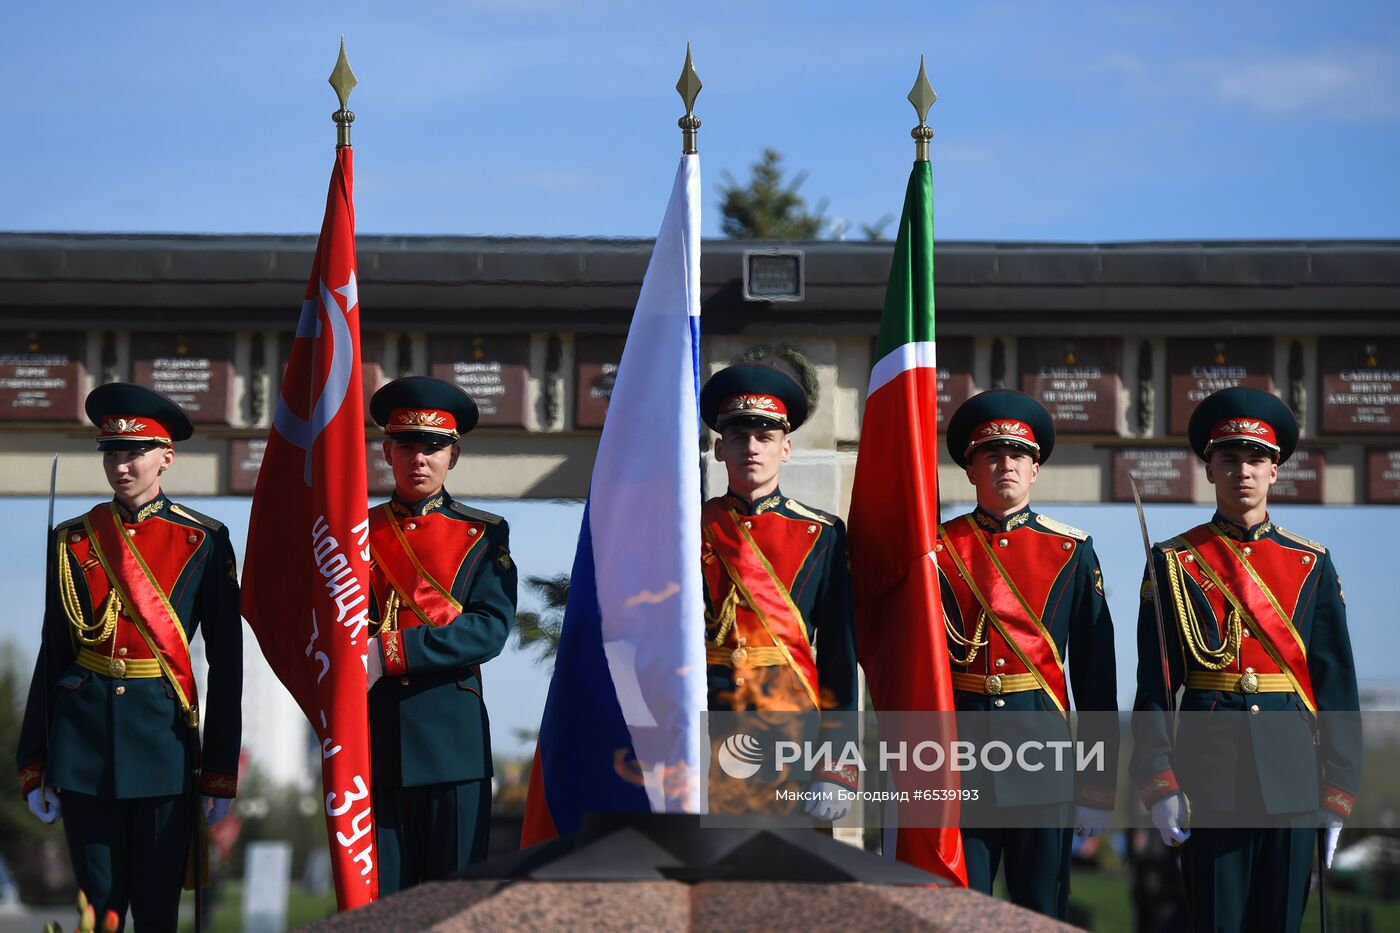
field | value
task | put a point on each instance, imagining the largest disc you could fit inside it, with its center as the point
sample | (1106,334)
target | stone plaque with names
(41,376)
(1383,476)
(954,375)
(1360,385)
(1300,479)
(193,370)
(494,371)
(245,457)
(1198,367)
(597,371)
(379,476)
(371,366)
(1164,474)
(1077,380)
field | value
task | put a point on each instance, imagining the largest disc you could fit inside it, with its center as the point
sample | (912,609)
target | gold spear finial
(922,97)
(689,88)
(342,79)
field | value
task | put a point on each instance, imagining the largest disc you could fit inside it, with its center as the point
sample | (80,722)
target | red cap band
(1243,429)
(1003,430)
(133,428)
(753,405)
(420,421)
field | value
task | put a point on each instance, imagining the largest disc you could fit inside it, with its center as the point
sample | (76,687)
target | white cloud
(1356,86)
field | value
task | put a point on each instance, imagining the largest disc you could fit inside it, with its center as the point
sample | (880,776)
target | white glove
(1089,822)
(826,802)
(1169,816)
(43,803)
(216,808)
(1332,824)
(374,663)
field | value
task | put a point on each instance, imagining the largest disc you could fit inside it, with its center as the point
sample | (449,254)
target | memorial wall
(1118,351)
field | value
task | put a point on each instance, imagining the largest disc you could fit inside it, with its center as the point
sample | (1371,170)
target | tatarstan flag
(894,515)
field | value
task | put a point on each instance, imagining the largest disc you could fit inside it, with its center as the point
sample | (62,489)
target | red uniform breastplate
(439,547)
(1283,569)
(1033,561)
(785,543)
(167,548)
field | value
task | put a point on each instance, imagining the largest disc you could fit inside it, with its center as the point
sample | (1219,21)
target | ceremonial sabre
(1322,877)
(53,488)
(49,571)
(1170,696)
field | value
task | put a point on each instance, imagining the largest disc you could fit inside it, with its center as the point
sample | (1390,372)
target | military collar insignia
(1011,523)
(745,507)
(143,513)
(431,504)
(1240,533)
(768,504)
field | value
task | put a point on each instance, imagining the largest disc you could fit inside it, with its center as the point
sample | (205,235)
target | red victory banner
(306,576)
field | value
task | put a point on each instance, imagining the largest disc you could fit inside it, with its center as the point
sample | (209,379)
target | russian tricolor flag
(623,725)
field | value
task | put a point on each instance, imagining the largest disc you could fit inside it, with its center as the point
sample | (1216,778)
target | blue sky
(1078,121)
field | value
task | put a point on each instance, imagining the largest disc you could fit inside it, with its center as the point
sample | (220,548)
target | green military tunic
(1053,566)
(117,743)
(429,732)
(1233,768)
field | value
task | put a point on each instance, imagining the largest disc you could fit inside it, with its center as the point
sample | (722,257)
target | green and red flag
(894,515)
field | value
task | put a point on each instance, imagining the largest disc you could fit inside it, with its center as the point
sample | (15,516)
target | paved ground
(31,920)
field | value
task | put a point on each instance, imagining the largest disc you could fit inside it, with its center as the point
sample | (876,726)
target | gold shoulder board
(199,518)
(1060,528)
(795,506)
(1305,542)
(476,515)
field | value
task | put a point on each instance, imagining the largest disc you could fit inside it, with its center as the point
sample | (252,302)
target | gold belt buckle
(739,656)
(993,685)
(1249,682)
(118,667)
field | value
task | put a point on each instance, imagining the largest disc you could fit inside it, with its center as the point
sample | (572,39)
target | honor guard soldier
(1254,622)
(777,575)
(443,585)
(111,733)
(1019,588)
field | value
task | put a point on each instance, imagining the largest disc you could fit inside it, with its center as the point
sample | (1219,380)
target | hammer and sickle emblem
(303,432)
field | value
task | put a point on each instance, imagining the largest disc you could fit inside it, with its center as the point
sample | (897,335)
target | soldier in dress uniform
(1019,588)
(1254,622)
(443,585)
(111,733)
(777,575)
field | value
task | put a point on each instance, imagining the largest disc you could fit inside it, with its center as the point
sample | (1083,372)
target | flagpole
(688,86)
(921,95)
(342,79)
